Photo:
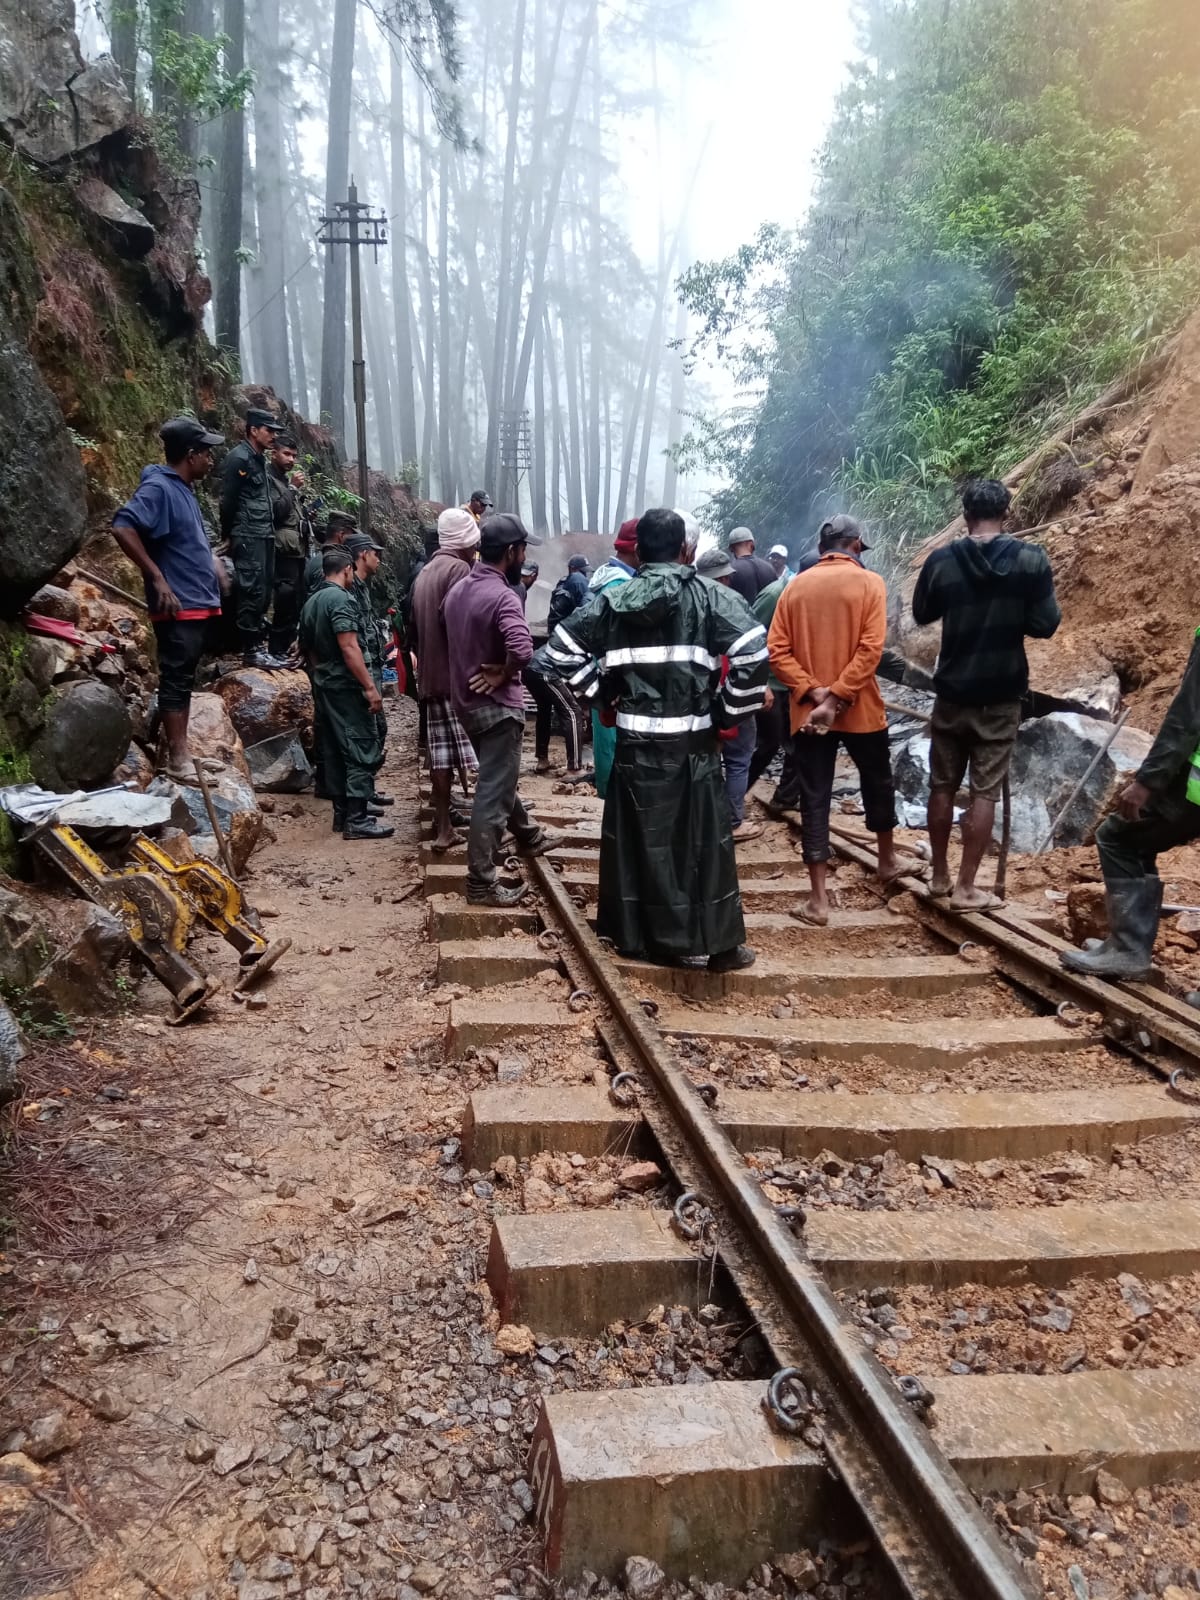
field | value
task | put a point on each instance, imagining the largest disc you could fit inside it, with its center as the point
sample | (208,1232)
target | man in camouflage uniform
(365,554)
(346,696)
(248,523)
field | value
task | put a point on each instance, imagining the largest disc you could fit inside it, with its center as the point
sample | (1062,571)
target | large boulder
(87,733)
(211,733)
(264,704)
(80,974)
(113,220)
(1051,756)
(279,765)
(237,810)
(43,491)
(53,104)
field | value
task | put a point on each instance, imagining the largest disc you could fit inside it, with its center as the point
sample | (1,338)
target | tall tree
(227,278)
(337,181)
(269,198)
(406,412)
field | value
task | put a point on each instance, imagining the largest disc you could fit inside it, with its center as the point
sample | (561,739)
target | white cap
(778,550)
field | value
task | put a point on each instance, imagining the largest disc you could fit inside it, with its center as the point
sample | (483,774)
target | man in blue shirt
(161,531)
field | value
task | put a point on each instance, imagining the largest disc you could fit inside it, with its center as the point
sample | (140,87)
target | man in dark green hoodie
(990,592)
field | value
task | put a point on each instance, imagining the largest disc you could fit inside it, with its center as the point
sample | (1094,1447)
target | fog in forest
(547,168)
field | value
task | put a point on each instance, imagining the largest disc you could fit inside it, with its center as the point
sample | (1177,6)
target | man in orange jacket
(825,643)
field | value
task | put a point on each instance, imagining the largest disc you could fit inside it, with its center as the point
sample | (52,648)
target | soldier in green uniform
(339,526)
(346,696)
(248,523)
(365,554)
(290,515)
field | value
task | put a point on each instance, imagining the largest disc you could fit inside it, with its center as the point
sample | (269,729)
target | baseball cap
(342,519)
(358,542)
(501,531)
(189,434)
(714,564)
(256,417)
(481,494)
(577,564)
(740,536)
(844,527)
(778,550)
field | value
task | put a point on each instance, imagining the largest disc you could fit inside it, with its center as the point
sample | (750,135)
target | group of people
(694,674)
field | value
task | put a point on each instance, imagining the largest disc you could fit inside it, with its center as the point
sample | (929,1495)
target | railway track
(850,1152)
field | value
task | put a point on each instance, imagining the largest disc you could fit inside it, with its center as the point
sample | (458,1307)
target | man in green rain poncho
(668,876)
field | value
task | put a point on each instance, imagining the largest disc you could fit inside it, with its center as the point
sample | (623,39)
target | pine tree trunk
(675,420)
(227,276)
(268,191)
(406,407)
(537,482)
(428,313)
(122,40)
(337,179)
(446,321)
(506,266)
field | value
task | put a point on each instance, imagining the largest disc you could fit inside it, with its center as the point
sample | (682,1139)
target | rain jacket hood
(983,564)
(652,597)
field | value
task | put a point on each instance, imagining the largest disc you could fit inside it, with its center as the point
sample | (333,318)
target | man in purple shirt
(491,643)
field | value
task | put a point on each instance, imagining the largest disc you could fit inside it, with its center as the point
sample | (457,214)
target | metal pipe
(1079,787)
(222,847)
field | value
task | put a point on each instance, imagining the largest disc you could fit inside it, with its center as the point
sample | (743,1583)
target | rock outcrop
(53,104)
(43,492)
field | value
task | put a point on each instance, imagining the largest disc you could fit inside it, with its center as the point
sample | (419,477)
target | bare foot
(447,841)
(940,885)
(974,900)
(890,871)
(812,911)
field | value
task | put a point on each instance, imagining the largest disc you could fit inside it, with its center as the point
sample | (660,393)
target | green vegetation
(100,349)
(1006,218)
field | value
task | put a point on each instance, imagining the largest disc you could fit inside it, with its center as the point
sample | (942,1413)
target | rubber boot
(1128,952)
(339,815)
(360,824)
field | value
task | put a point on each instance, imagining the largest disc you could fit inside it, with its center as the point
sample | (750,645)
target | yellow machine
(159,899)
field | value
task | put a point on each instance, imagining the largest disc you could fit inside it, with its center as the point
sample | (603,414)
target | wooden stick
(907,711)
(1078,789)
(1001,882)
(111,588)
(216,826)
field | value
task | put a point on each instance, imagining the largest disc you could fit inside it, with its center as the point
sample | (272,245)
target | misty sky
(767,86)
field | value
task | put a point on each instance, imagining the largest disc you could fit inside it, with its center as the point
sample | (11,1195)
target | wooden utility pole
(354,225)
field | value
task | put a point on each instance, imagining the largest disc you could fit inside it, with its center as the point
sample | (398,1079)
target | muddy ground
(247,1350)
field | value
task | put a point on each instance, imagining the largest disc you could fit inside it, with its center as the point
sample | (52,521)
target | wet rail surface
(898,1034)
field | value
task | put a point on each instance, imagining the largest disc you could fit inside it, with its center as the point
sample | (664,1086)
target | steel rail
(1029,955)
(927,1527)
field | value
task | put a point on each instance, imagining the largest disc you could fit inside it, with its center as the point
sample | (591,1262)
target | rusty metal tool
(222,843)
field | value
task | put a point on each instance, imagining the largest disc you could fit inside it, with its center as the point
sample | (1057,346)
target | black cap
(341,519)
(577,564)
(358,542)
(501,532)
(481,494)
(843,527)
(256,417)
(189,434)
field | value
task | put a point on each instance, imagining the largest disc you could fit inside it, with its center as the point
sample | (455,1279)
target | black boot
(360,824)
(378,799)
(735,960)
(1134,905)
(339,815)
(260,658)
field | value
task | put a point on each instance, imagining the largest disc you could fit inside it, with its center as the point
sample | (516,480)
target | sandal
(990,902)
(441,849)
(803,912)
